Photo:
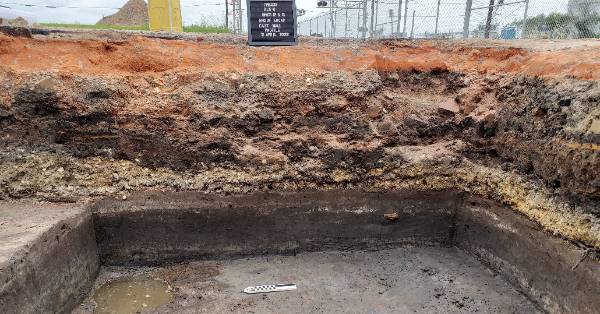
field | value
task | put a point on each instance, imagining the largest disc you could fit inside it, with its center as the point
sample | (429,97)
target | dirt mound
(134,12)
(19,21)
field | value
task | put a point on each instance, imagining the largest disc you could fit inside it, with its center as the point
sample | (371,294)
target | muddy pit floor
(404,280)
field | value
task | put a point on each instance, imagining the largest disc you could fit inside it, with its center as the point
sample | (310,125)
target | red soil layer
(144,55)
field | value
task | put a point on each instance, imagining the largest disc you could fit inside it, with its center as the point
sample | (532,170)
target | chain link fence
(495,19)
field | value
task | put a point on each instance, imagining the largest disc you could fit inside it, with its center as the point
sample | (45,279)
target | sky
(193,11)
(212,11)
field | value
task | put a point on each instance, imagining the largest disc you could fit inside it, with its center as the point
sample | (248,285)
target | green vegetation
(559,25)
(94,26)
(194,28)
(553,21)
(204,28)
(585,26)
(555,25)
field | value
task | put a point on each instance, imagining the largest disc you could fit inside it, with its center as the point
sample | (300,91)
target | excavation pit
(443,251)
(447,175)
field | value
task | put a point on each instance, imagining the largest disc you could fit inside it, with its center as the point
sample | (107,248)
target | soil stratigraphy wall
(93,118)
(551,129)
(157,228)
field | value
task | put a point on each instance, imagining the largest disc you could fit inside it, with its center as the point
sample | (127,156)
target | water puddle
(131,295)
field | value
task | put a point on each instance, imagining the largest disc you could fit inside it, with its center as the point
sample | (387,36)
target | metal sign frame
(253,42)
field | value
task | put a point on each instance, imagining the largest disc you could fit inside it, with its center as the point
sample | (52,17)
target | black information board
(272,22)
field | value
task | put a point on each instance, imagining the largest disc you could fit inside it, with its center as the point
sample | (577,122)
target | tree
(555,25)
(561,25)
(586,19)
(588,26)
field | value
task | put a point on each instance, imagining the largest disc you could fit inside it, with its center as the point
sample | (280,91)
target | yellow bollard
(165,15)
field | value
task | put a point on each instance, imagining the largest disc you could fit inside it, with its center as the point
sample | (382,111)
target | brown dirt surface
(133,13)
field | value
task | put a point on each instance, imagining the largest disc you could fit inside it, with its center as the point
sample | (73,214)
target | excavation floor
(406,280)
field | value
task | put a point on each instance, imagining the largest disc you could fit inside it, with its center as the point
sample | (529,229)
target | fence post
(412,28)
(318,25)
(467,19)
(488,21)
(364,24)
(331,20)
(372,33)
(437,18)
(376,13)
(227,14)
(346,23)
(399,18)
(523,32)
(334,23)
(391,23)
(310,27)
(377,19)
(357,22)
(405,18)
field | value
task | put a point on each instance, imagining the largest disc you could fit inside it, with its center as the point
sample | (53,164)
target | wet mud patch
(130,290)
(131,295)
